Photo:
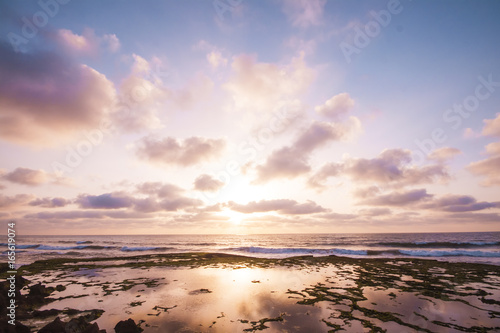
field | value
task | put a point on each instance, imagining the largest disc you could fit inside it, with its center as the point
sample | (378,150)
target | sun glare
(234,217)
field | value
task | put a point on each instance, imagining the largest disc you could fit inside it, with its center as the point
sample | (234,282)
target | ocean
(476,247)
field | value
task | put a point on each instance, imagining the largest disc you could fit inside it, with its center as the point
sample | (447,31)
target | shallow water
(216,299)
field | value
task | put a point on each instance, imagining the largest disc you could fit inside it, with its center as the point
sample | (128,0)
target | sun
(234,217)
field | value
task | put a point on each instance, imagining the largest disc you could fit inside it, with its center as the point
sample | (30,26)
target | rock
(75,325)
(57,326)
(45,313)
(5,327)
(94,328)
(127,326)
(40,290)
(60,287)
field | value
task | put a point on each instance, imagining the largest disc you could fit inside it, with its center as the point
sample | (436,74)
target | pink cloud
(443,154)
(26,176)
(207,183)
(336,106)
(187,152)
(11,202)
(304,13)
(261,86)
(398,198)
(489,168)
(392,168)
(45,97)
(88,42)
(492,126)
(292,161)
(284,206)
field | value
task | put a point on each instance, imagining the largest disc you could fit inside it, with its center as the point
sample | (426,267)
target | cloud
(187,152)
(489,168)
(337,216)
(375,212)
(88,42)
(150,205)
(459,203)
(493,148)
(49,202)
(207,183)
(469,133)
(104,201)
(443,154)
(292,161)
(160,190)
(197,90)
(282,163)
(79,214)
(162,197)
(492,126)
(261,86)
(336,106)
(392,167)
(30,177)
(283,206)
(141,97)
(46,97)
(298,44)
(10,202)
(304,13)
(26,176)
(366,192)
(215,59)
(398,198)
(328,170)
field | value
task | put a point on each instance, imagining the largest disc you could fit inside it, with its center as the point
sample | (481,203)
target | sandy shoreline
(198,292)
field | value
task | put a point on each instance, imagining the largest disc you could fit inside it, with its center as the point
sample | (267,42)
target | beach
(209,292)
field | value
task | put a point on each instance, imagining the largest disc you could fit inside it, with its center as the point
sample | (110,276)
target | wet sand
(227,293)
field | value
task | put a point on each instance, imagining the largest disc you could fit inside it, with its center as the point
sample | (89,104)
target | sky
(238,116)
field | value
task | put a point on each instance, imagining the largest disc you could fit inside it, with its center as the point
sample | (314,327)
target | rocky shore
(205,292)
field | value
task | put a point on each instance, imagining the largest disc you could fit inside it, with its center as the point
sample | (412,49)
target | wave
(57,248)
(351,252)
(145,248)
(438,244)
(299,250)
(455,253)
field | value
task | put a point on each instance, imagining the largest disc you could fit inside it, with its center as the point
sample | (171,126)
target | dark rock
(60,287)
(45,313)
(77,325)
(57,326)
(94,328)
(127,326)
(40,290)
(5,327)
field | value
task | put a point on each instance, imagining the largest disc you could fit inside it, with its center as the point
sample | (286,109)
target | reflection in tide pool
(306,298)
